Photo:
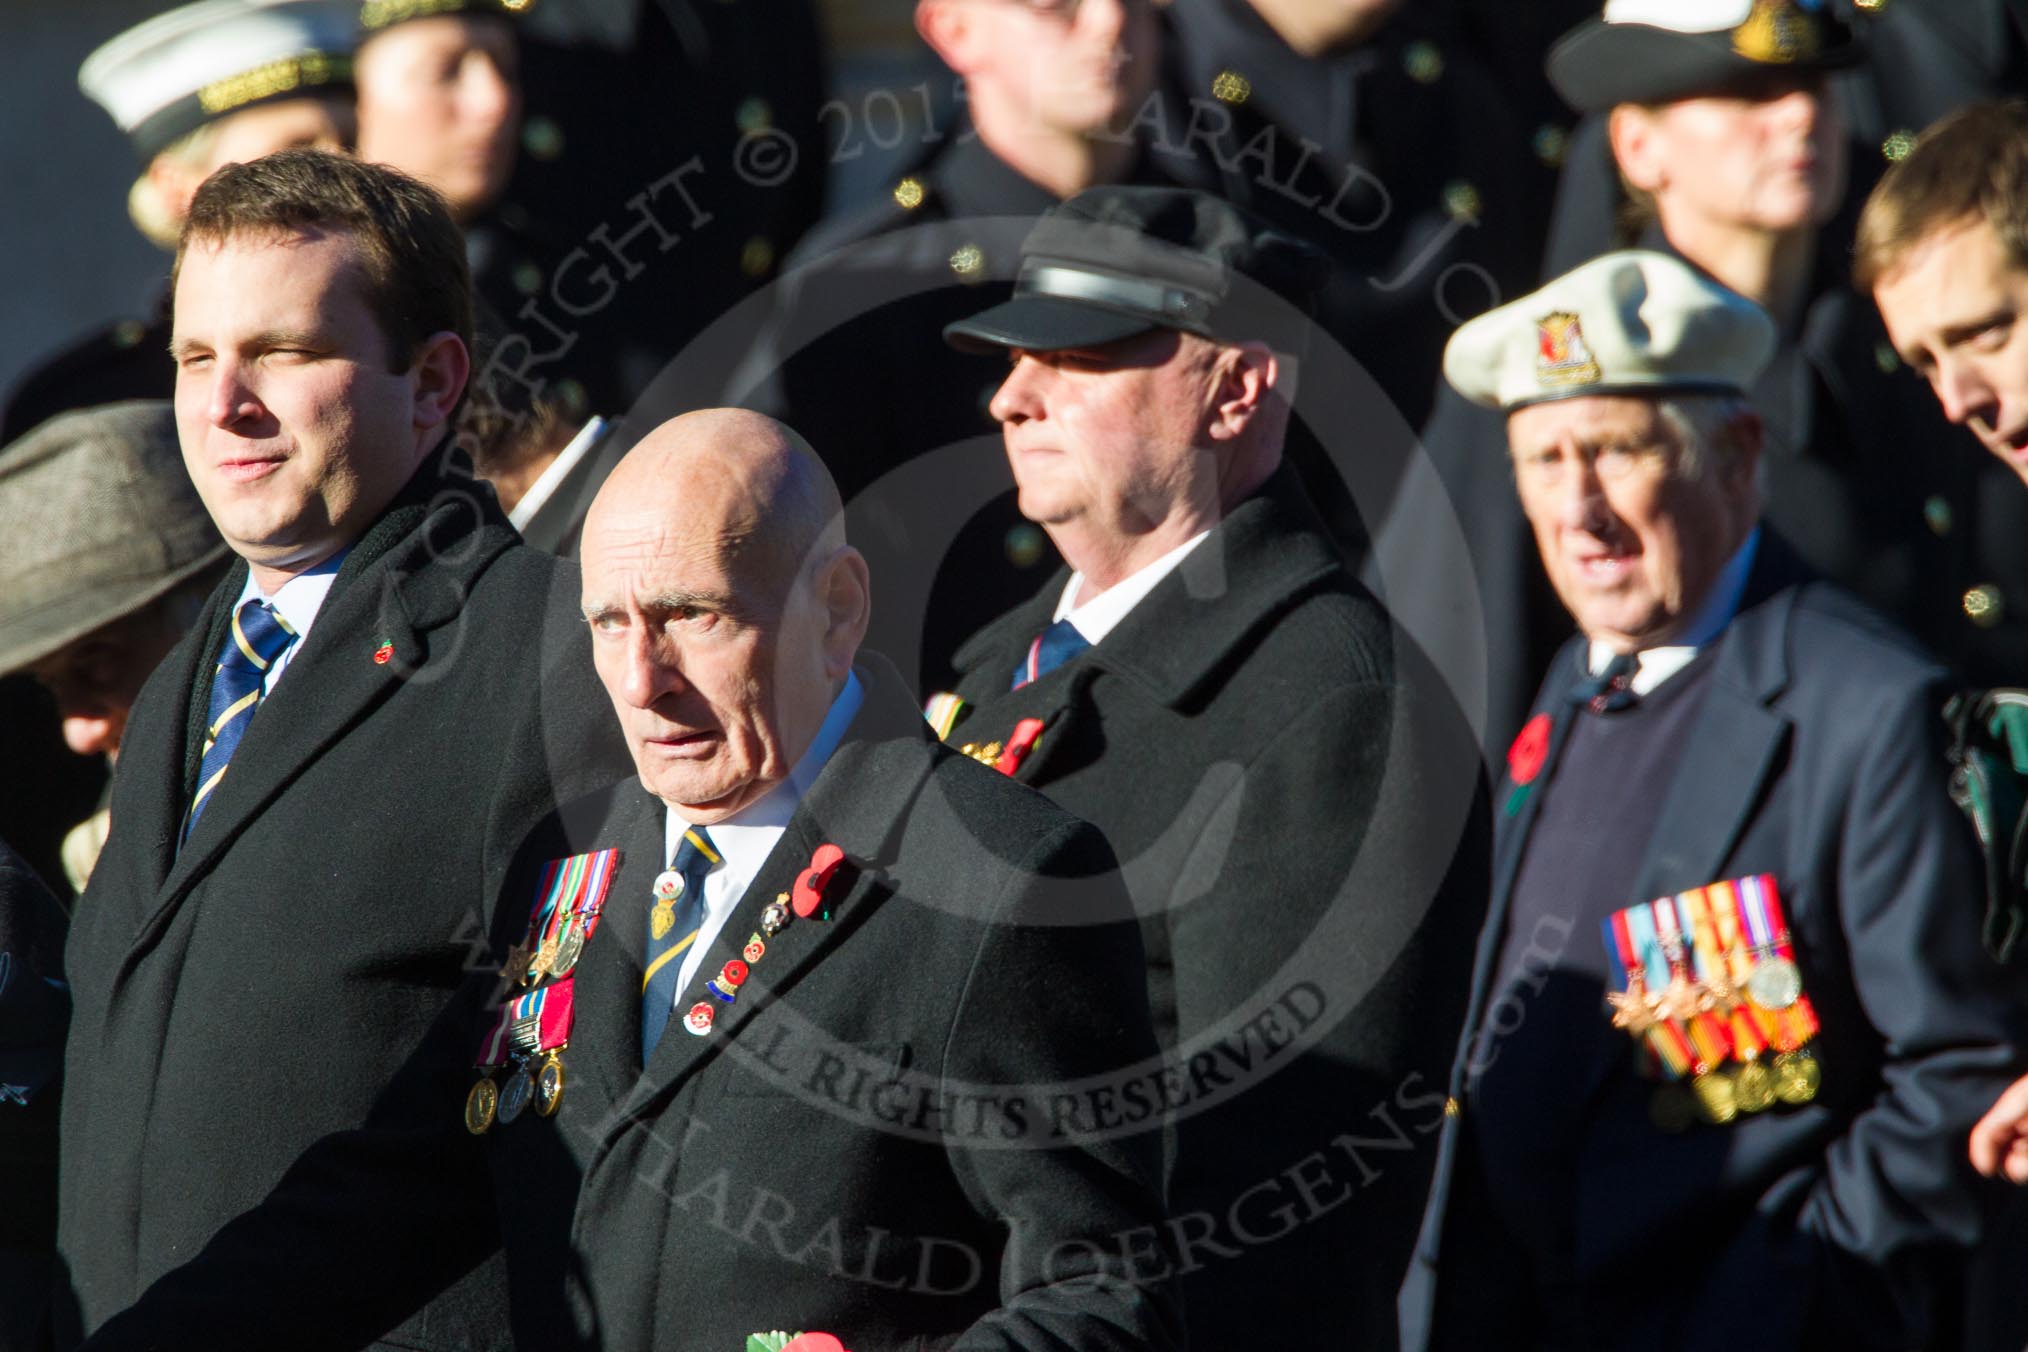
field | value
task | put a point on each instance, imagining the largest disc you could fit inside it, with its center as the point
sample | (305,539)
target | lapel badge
(755,949)
(1020,742)
(698,1020)
(383,654)
(728,981)
(775,915)
(1524,760)
(811,882)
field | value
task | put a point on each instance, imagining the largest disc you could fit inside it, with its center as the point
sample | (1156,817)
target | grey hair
(1702,424)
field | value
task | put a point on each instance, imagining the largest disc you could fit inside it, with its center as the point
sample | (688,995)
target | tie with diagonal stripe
(257,636)
(673,922)
(1051,649)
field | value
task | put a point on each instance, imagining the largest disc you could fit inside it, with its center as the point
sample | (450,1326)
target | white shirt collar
(297,601)
(1657,665)
(1102,614)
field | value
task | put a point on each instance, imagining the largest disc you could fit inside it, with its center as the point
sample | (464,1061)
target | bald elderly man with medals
(1730,1018)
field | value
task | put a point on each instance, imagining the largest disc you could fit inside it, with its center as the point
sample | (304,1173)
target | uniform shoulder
(1836,637)
(909,200)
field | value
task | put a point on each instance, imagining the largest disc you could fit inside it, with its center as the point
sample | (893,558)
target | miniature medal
(515,1092)
(1717,1098)
(549,1086)
(1797,1077)
(1753,1086)
(480,1106)
(569,948)
(1774,983)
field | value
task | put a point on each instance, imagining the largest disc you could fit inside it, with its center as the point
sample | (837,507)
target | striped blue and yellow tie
(673,922)
(256,638)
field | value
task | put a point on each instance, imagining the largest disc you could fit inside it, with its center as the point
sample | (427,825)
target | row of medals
(541,1083)
(1718,1096)
(529,1081)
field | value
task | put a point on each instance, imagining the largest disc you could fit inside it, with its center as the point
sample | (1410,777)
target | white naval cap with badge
(167,77)
(1657,51)
(1631,322)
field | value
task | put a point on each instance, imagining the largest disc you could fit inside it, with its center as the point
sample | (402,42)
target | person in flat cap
(1730,1017)
(1296,804)
(851,350)
(208,84)
(110,558)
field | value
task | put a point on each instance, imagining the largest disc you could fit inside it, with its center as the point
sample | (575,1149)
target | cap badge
(1562,356)
(1777,33)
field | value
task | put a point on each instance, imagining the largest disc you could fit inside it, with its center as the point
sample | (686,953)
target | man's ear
(442,366)
(1637,147)
(175,184)
(844,587)
(946,25)
(1248,375)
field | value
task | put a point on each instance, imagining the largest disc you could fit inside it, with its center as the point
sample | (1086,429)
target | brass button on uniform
(1897,146)
(1451,1106)
(1984,606)
(1423,62)
(541,138)
(908,193)
(757,256)
(1886,358)
(1461,201)
(1231,87)
(969,263)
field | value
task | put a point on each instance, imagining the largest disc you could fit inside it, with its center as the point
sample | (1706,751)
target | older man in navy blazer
(1730,1018)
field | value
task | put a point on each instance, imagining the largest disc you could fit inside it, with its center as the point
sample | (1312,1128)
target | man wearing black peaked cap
(1292,798)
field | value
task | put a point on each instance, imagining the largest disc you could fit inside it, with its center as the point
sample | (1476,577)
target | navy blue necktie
(1610,690)
(673,922)
(1051,649)
(254,640)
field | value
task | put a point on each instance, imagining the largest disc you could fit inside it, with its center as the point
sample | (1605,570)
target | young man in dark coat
(322,785)
(1293,798)
(1730,1019)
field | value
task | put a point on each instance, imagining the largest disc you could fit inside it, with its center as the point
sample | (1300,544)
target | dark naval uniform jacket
(257,989)
(1813,757)
(869,1140)
(1298,814)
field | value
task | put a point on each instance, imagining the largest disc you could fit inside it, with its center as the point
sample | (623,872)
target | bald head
(724,603)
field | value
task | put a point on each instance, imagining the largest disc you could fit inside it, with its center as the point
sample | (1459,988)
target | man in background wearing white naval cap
(214,83)
(1730,1017)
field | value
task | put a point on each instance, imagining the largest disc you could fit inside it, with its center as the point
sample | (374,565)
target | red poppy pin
(808,895)
(1524,760)
(1019,743)
(383,654)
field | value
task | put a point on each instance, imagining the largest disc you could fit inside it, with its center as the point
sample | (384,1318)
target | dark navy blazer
(1815,759)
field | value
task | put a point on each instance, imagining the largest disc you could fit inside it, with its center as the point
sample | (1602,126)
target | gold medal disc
(549,1086)
(1753,1087)
(1717,1101)
(480,1106)
(1797,1077)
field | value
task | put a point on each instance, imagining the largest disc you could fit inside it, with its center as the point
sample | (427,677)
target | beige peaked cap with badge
(1631,322)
